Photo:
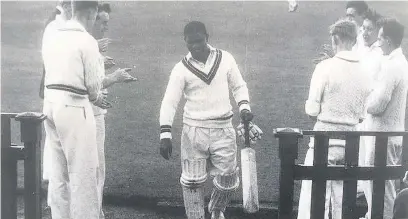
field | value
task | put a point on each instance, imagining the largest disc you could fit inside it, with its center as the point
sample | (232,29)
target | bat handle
(246,133)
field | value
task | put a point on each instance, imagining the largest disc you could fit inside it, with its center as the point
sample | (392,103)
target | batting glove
(255,133)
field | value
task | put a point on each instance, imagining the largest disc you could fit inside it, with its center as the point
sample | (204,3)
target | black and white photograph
(288,109)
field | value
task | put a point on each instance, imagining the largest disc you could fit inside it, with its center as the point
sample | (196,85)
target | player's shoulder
(52,26)
(325,63)
(227,56)
(224,53)
(179,66)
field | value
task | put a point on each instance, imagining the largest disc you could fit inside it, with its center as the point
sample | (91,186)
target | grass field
(273,48)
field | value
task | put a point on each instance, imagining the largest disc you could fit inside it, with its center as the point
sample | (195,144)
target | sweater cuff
(165,132)
(244,104)
(312,108)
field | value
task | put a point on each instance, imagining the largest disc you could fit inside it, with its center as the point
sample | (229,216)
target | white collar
(348,56)
(74,26)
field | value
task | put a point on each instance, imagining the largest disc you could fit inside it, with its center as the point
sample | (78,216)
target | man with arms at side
(386,105)
(205,77)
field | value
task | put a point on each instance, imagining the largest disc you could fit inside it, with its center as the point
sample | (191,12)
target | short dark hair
(393,29)
(104,7)
(345,29)
(372,16)
(79,5)
(360,6)
(194,27)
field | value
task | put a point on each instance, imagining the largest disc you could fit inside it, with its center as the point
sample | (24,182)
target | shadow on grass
(174,208)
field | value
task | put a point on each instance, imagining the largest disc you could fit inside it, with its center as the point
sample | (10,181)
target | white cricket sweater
(74,71)
(338,90)
(206,90)
(338,93)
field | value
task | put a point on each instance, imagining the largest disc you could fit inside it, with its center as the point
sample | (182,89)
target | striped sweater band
(165,128)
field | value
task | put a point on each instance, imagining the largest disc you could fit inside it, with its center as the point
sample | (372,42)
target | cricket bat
(249,175)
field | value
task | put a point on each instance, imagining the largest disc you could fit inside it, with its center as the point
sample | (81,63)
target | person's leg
(223,152)
(100,141)
(194,155)
(58,187)
(361,158)
(369,147)
(336,157)
(306,190)
(394,151)
(46,153)
(77,131)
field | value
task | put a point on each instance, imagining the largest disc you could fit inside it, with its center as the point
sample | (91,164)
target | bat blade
(249,180)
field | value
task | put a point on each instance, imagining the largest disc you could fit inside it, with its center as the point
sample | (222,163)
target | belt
(67,88)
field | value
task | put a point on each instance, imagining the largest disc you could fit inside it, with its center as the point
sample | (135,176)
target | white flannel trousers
(73,154)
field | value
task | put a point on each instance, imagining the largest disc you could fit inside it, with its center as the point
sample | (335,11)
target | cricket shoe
(217,215)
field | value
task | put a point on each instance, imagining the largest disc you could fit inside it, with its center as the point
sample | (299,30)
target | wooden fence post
(350,186)
(321,147)
(380,161)
(288,153)
(31,136)
(8,171)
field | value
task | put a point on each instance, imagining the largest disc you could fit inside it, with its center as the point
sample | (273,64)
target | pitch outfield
(273,49)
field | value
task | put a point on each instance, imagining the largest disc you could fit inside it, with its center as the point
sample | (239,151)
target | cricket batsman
(205,76)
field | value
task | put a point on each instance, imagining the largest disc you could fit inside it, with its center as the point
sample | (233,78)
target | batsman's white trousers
(73,185)
(100,141)
(217,145)
(334,189)
(394,151)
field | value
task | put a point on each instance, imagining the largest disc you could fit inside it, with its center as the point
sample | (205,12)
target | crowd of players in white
(360,83)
